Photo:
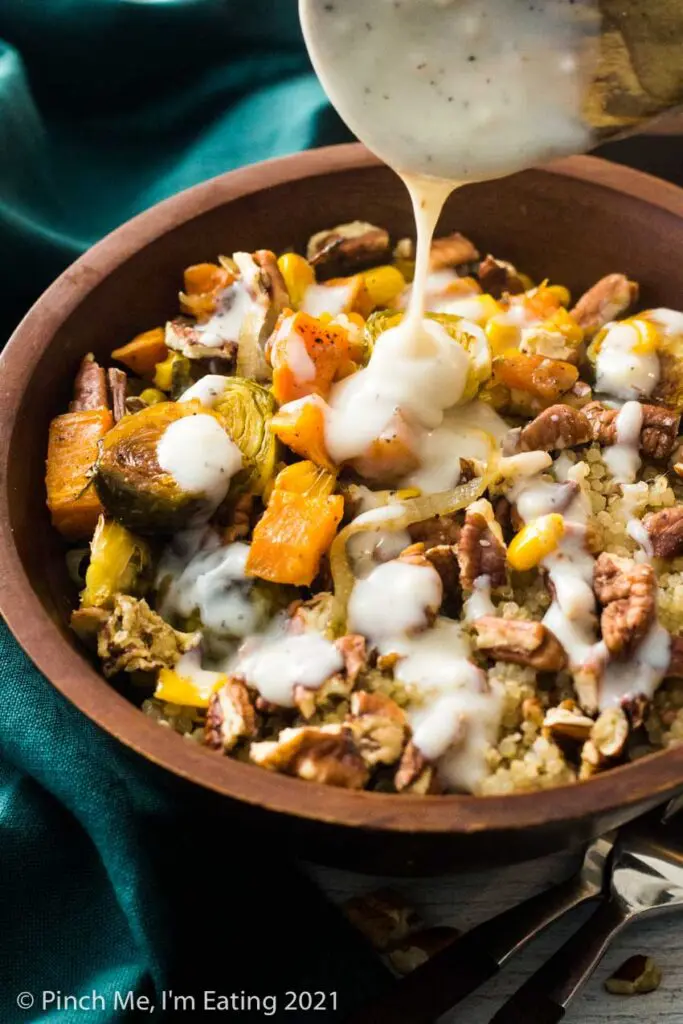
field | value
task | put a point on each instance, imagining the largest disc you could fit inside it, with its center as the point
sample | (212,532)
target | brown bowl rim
(76,679)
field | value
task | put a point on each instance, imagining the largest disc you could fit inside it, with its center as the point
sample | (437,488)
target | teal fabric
(112,878)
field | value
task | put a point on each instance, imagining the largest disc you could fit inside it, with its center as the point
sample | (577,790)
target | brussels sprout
(471,337)
(246,409)
(130,483)
(118,563)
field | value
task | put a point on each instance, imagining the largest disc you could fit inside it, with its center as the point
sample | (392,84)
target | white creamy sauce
(639,534)
(620,369)
(208,390)
(460,89)
(479,602)
(276,664)
(623,457)
(669,319)
(641,672)
(394,599)
(327,298)
(370,547)
(200,456)
(298,359)
(233,306)
(199,574)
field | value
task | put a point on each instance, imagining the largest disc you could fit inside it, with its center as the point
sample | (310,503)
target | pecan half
(327,754)
(90,387)
(230,716)
(636,976)
(379,727)
(415,773)
(567,722)
(346,248)
(435,531)
(117,383)
(353,650)
(480,552)
(605,301)
(498,276)
(665,530)
(451,251)
(420,947)
(658,433)
(524,643)
(628,591)
(558,427)
(606,742)
(383,916)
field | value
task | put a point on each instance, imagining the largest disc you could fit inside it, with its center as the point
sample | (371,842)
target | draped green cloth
(110,881)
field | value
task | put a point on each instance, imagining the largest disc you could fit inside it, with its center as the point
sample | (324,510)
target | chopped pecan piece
(451,251)
(665,529)
(135,638)
(606,742)
(90,387)
(558,427)
(383,917)
(240,519)
(347,248)
(420,947)
(628,591)
(327,754)
(607,299)
(354,652)
(436,531)
(636,976)
(271,278)
(379,727)
(230,716)
(658,434)
(416,774)
(480,550)
(118,385)
(498,276)
(443,558)
(675,669)
(184,336)
(567,722)
(524,643)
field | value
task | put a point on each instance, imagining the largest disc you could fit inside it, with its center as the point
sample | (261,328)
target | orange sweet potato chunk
(71,453)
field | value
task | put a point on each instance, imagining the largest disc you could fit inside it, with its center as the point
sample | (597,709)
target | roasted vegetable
(347,247)
(391,456)
(262,280)
(302,428)
(71,455)
(90,387)
(527,384)
(118,563)
(294,533)
(472,339)
(298,275)
(173,374)
(134,638)
(306,356)
(203,283)
(306,478)
(247,409)
(132,486)
(142,354)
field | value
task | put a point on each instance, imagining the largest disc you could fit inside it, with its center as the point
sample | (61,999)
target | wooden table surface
(465,900)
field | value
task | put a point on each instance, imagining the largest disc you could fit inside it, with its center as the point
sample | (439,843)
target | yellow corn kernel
(163,372)
(176,689)
(561,293)
(298,275)
(489,308)
(535,541)
(152,396)
(501,336)
(384,285)
(648,336)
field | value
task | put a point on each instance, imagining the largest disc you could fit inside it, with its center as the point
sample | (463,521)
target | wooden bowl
(570,222)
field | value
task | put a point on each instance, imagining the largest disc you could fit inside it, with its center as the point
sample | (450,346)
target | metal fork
(468,962)
(646,879)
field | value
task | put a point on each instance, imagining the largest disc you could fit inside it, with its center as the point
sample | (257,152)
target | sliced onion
(415,510)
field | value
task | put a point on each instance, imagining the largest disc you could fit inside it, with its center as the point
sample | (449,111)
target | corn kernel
(535,541)
(561,293)
(163,372)
(501,336)
(176,689)
(384,285)
(152,396)
(298,275)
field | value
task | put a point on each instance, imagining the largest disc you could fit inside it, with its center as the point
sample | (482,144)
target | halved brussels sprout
(131,484)
(471,337)
(246,409)
(118,563)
